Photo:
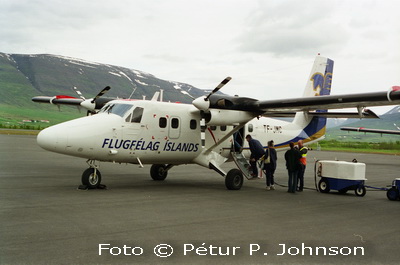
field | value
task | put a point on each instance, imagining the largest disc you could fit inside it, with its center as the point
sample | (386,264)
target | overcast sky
(267,47)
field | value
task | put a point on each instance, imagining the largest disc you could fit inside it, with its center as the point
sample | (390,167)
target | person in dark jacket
(292,157)
(257,151)
(269,168)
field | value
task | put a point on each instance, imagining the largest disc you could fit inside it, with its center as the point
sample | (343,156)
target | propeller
(223,83)
(90,104)
(203,103)
(79,93)
(101,93)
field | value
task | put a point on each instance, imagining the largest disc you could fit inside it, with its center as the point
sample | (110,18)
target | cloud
(293,28)
(32,24)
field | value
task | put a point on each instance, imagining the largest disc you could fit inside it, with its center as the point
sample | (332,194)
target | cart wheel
(360,191)
(392,194)
(323,186)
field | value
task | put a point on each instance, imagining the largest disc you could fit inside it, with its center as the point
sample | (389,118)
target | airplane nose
(48,139)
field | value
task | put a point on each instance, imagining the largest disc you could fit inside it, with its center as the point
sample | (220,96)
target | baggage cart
(341,176)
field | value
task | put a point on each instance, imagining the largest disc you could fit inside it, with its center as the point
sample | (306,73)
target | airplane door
(133,126)
(238,138)
(174,130)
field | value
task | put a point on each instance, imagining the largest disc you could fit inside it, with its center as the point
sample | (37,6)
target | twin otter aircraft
(208,132)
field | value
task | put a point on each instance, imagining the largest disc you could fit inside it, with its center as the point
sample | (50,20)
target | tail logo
(322,83)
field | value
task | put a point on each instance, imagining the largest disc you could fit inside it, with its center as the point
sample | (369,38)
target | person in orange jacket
(303,162)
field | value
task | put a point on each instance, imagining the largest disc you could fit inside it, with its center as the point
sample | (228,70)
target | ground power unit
(341,176)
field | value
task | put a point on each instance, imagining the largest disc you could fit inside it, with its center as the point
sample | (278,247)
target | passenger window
(223,128)
(193,124)
(137,115)
(250,127)
(162,122)
(212,127)
(174,123)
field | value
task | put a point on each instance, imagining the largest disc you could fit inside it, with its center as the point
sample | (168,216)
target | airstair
(242,164)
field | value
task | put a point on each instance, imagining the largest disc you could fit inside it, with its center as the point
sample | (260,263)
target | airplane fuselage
(208,132)
(147,132)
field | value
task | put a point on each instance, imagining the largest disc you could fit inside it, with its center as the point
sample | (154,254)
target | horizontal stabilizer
(367,114)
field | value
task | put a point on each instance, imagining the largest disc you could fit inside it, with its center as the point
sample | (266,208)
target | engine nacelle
(220,117)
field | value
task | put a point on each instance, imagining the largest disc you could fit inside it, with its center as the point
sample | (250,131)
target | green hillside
(386,122)
(15,88)
(25,76)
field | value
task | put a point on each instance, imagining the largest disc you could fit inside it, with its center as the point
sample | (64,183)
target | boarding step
(242,164)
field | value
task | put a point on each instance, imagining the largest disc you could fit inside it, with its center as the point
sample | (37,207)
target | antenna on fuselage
(134,89)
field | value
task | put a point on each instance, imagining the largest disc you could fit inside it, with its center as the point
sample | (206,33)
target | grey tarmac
(190,218)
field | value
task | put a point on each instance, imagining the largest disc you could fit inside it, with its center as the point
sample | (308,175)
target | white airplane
(208,132)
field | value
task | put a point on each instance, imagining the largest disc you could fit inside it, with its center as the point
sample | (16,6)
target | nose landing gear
(91,177)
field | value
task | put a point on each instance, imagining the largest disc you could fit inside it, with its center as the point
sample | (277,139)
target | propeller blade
(203,128)
(224,82)
(79,93)
(105,90)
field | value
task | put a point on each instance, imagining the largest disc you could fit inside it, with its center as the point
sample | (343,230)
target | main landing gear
(91,177)
(234,179)
(159,172)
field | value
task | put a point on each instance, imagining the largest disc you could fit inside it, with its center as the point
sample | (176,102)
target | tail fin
(320,80)
(318,84)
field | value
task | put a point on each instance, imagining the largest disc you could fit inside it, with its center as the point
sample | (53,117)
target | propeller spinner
(202,103)
(90,104)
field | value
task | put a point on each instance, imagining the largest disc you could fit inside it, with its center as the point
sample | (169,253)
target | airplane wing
(67,100)
(361,129)
(92,104)
(60,99)
(323,102)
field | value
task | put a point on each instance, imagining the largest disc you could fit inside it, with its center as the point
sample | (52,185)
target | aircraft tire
(323,186)
(91,180)
(392,194)
(234,179)
(158,172)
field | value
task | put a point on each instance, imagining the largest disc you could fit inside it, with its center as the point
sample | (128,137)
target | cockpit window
(118,109)
(137,115)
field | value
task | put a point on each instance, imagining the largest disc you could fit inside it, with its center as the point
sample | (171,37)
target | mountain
(389,121)
(24,76)
(46,74)
(393,112)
